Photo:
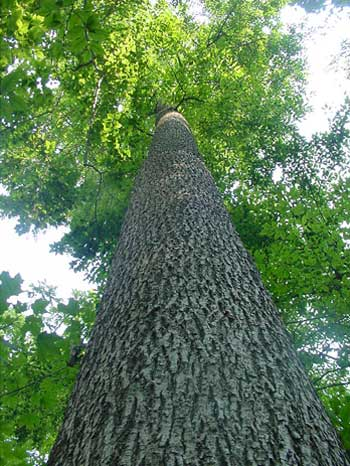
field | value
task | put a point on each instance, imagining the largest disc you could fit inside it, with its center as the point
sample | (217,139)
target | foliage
(342,61)
(298,232)
(313,6)
(80,83)
(37,334)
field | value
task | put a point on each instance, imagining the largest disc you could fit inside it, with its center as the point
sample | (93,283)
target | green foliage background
(38,333)
(80,81)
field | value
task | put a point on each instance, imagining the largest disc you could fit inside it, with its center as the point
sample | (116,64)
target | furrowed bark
(189,363)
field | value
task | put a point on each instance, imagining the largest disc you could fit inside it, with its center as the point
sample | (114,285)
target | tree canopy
(313,6)
(80,81)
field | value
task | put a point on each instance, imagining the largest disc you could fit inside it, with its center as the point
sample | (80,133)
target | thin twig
(302,321)
(220,32)
(35,382)
(143,131)
(92,117)
(330,371)
(83,65)
(336,384)
(90,165)
(186,98)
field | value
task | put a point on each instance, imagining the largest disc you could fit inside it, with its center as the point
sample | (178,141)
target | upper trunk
(189,364)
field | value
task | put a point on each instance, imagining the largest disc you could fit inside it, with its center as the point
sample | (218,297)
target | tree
(189,362)
(80,81)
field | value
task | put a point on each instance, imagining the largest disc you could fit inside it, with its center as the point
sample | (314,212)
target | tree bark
(189,363)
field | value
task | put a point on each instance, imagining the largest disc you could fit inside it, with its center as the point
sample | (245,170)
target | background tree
(80,81)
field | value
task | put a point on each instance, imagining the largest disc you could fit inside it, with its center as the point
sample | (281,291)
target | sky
(30,255)
(327,83)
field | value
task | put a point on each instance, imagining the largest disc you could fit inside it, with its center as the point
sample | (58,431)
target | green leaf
(33,324)
(8,287)
(48,346)
(18,102)
(39,306)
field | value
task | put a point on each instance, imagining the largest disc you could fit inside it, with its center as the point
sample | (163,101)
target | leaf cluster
(37,334)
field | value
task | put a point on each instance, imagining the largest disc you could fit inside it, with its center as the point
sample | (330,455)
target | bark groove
(189,363)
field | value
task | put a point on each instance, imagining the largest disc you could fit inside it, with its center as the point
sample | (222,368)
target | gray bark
(189,363)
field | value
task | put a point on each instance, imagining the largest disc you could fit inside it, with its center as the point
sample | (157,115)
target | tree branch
(220,32)
(82,65)
(143,131)
(185,99)
(330,371)
(92,117)
(35,382)
(302,321)
(337,384)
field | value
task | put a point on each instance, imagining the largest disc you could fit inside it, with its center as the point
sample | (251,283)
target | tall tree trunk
(189,363)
